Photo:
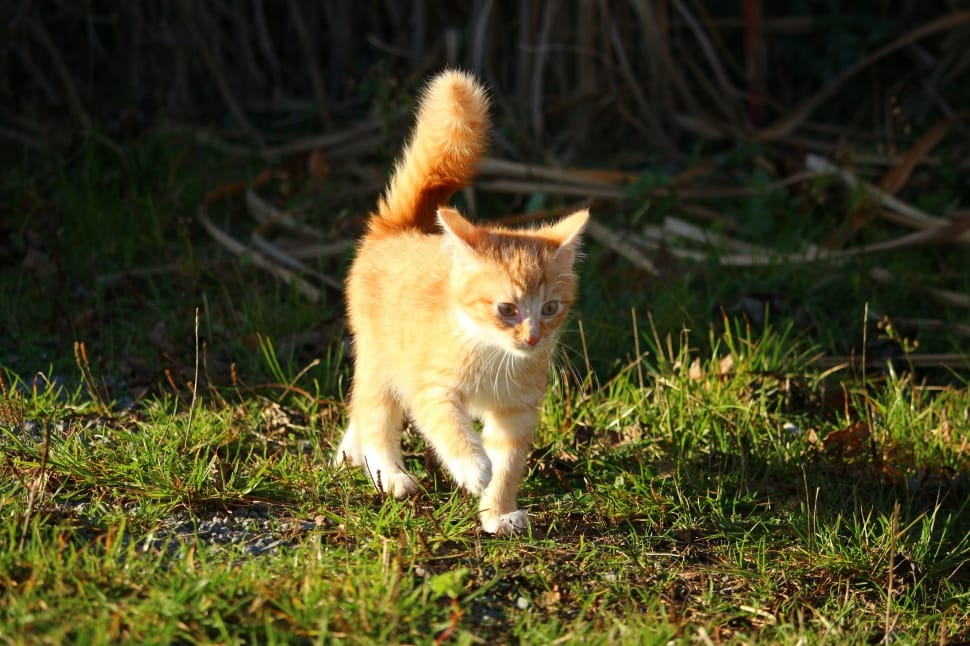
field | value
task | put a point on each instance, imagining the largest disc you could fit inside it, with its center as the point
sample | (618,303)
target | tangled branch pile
(585,78)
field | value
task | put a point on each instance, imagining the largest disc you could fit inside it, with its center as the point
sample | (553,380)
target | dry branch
(311,64)
(942,296)
(362,130)
(190,13)
(928,360)
(788,124)
(517,187)
(899,174)
(257,258)
(617,243)
(287,260)
(267,214)
(505,169)
(71,93)
(906,213)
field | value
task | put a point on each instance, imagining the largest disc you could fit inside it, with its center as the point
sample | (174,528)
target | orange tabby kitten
(453,321)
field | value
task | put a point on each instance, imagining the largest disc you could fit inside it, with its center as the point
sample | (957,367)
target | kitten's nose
(534,335)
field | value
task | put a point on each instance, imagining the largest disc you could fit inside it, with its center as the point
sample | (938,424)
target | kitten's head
(512,289)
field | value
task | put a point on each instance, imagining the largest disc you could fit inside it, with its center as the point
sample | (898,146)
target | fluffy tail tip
(459,93)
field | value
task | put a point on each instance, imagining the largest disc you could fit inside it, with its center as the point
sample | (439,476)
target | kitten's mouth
(525,347)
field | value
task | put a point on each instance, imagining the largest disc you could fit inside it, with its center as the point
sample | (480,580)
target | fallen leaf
(850,442)
(694,373)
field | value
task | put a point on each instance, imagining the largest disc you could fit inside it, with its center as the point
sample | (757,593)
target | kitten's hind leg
(372,441)
(507,437)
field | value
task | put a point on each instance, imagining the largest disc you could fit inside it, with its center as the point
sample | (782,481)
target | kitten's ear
(566,233)
(459,229)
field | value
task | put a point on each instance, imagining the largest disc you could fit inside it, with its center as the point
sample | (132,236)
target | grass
(697,478)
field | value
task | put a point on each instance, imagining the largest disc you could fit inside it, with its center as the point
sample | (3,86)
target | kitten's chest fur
(489,379)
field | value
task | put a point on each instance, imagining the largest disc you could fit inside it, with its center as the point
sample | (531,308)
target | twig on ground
(615,242)
(36,488)
(111,280)
(899,174)
(87,376)
(505,169)
(689,231)
(323,249)
(906,213)
(195,386)
(517,187)
(22,138)
(287,260)
(933,325)
(266,214)
(927,360)
(257,258)
(654,237)
(943,296)
(362,130)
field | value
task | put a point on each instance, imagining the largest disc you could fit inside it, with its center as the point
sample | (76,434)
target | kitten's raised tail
(441,157)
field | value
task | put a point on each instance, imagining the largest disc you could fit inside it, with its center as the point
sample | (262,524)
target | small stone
(522,603)
(33,429)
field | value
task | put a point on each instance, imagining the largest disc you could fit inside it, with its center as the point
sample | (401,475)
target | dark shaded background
(682,100)
(593,81)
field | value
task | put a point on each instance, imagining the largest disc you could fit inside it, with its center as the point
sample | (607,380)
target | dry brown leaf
(694,373)
(811,437)
(234,188)
(849,442)
(317,165)
(550,598)
(688,176)
(275,418)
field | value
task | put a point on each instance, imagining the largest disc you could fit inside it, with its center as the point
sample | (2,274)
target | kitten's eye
(550,308)
(508,310)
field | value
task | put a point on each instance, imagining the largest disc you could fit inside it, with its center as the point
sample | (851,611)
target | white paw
(389,478)
(473,474)
(349,450)
(515,522)
(401,484)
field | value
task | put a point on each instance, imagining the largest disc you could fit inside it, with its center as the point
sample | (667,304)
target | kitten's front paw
(516,522)
(349,450)
(473,474)
(400,485)
(387,476)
